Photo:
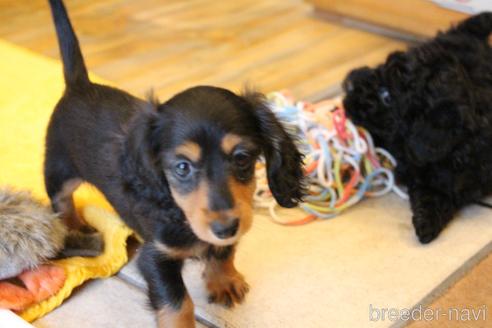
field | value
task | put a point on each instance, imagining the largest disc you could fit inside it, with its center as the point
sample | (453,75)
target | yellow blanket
(30,86)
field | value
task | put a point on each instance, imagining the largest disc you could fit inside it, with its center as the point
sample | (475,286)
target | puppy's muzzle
(225,229)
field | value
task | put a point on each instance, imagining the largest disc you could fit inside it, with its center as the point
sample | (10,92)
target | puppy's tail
(479,26)
(74,68)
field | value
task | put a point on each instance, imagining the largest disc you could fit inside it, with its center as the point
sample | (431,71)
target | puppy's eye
(183,169)
(242,160)
(385,97)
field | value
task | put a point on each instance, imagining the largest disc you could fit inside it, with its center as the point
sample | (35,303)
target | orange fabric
(41,283)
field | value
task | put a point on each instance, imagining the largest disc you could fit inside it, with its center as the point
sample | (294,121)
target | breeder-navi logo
(428,314)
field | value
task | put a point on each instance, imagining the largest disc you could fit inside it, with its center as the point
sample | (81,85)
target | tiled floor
(112,298)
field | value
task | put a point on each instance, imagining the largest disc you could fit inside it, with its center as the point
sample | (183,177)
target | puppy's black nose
(225,230)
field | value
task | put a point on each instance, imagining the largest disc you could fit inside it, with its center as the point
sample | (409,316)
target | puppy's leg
(61,180)
(62,202)
(431,212)
(79,243)
(166,289)
(225,284)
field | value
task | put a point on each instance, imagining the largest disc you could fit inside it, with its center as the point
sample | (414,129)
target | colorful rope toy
(341,163)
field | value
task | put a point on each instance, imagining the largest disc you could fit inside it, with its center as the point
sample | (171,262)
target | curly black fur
(431,107)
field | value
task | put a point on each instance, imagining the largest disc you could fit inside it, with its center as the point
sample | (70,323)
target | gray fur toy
(29,233)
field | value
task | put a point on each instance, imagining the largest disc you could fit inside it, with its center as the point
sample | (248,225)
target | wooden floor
(421,18)
(173,44)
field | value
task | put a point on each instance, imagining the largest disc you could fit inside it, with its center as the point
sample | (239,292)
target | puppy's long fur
(431,106)
(180,173)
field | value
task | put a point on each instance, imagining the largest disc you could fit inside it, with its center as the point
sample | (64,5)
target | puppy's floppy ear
(283,160)
(139,162)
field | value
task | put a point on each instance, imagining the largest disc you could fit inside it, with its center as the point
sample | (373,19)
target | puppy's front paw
(226,289)
(426,230)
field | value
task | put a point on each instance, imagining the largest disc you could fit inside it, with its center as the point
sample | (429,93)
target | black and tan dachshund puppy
(180,173)
(431,106)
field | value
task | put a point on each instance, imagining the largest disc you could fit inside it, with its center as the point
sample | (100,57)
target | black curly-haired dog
(431,107)
(180,173)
